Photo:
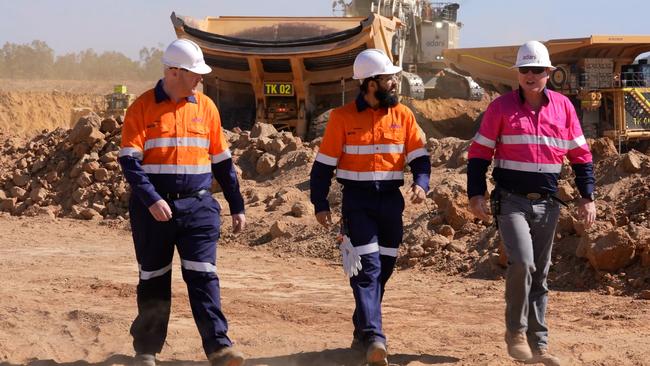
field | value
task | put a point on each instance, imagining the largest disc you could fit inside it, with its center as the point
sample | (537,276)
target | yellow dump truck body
(612,94)
(283,70)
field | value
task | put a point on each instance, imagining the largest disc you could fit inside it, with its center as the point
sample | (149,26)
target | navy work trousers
(373,222)
(194,230)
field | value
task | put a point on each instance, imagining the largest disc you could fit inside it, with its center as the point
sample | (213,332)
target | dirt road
(68,297)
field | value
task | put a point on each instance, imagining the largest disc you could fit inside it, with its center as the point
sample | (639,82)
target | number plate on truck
(278,89)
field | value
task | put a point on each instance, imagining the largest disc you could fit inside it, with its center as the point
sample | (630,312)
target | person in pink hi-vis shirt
(527,133)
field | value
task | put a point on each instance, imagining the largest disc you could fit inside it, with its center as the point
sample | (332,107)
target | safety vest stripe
(198,266)
(221,157)
(367,249)
(326,159)
(131,151)
(528,167)
(543,140)
(480,139)
(369,176)
(177,141)
(175,169)
(416,154)
(391,252)
(374,149)
(147,275)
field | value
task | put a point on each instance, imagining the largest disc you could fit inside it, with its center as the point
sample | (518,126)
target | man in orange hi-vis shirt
(368,142)
(172,145)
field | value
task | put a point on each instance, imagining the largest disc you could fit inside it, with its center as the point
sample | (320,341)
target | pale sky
(127,26)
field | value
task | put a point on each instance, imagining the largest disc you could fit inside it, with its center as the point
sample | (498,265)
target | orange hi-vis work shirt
(369,149)
(176,147)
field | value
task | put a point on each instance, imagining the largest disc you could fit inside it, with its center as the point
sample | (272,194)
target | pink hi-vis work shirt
(529,147)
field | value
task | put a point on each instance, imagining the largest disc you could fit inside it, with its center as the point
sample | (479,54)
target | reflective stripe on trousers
(527,228)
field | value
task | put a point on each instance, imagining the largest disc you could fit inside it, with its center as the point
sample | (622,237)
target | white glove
(351,260)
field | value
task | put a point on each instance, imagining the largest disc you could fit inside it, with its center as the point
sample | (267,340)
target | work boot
(518,347)
(357,345)
(544,357)
(376,354)
(226,356)
(144,359)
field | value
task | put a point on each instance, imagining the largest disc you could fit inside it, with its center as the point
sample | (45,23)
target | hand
(478,207)
(238,222)
(418,195)
(324,218)
(587,212)
(351,259)
(160,210)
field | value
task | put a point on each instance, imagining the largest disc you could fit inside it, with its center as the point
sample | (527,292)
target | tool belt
(177,196)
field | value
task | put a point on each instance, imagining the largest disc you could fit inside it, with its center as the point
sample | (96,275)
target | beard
(386,98)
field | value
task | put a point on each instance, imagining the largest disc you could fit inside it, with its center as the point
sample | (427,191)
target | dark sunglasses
(535,69)
(178,68)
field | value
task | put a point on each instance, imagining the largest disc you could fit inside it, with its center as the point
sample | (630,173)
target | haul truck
(598,73)
(284,70)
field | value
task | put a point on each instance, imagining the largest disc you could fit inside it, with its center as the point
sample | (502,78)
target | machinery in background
(118,101)
(428,28)
(599,74)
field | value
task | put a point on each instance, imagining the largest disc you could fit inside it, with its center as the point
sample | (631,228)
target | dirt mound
(27,108)
(448,117)
(27,113)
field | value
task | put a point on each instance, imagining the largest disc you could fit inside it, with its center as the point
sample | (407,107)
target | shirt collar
(161,96)
(522,99)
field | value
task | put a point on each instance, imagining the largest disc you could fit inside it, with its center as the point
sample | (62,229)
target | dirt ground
(68,285)
(68,299)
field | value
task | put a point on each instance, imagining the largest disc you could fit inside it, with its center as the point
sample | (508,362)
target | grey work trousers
(527,228)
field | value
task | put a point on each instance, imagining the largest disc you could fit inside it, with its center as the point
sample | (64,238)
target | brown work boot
(544,357)
(226,356)
(144,359)
(376,355)
(518,347)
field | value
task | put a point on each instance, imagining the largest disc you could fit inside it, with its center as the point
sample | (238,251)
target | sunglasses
(535,69)
(387,78)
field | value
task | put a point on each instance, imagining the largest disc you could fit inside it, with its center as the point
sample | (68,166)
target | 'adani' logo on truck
(436,43)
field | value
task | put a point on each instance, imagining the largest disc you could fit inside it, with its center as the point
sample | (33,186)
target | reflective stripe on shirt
(131,151)
(221,157)
(326,159)
(528,167)
(177,141)
(369,176)
(543,140)
(373,149)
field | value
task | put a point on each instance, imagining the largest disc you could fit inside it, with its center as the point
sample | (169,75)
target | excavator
(428,28)
(290,71)
(599,74)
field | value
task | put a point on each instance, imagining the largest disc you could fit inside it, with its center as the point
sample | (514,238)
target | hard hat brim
(201,69)
(533,64)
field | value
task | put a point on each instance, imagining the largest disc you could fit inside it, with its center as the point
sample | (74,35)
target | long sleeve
(481,151)
(132,153)
(326,162)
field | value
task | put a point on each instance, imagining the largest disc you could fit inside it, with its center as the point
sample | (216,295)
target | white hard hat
(533,53)
(372,62)
(185,54)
